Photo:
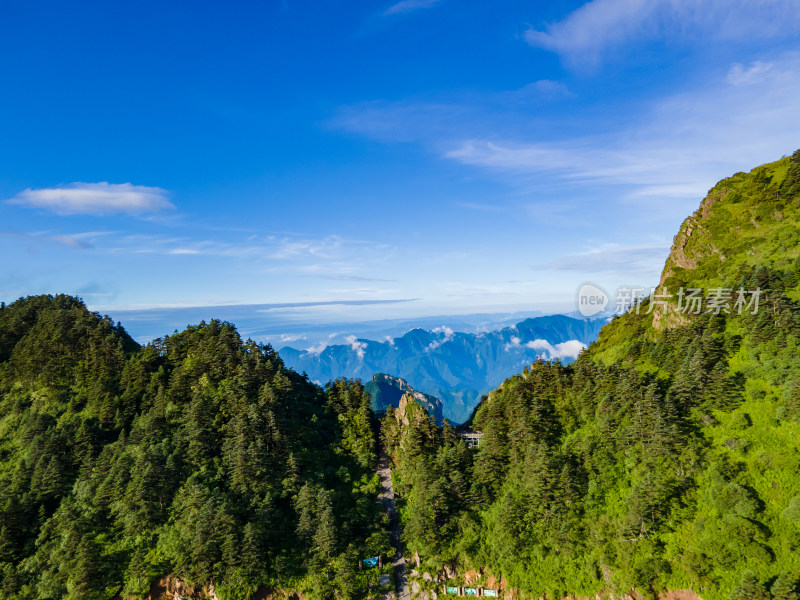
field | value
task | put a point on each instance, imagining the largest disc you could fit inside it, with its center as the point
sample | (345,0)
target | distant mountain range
(302,324)
(455,367)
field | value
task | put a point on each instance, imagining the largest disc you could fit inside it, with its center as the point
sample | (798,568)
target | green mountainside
(199,455)
(386,390)
(667,457)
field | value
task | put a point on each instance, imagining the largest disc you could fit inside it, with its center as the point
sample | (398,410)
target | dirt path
(386,497)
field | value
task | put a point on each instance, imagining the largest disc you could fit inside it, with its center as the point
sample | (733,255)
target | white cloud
(409,5)
(587,32)
(447,335)
(356,346)
(317,349)
(756,72)
(514,343)
(95,199)
(569,349)
(389,340)
(291,337)
(594,25)
(488,153)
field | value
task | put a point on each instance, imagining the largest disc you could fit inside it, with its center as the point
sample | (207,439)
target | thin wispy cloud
(360,292)
(95,199)
(643,258)
(748,75)
(536,92)
(407,6)
(402,121)
(38,240)
(584,35)
(673,147)
(331,253)
(354,278)
(479,206)
(676,148)
(71,241)
(291,337)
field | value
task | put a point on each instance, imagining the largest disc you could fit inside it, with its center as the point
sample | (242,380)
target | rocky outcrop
(171,587)
(679,257)
(685,254)
(386,390)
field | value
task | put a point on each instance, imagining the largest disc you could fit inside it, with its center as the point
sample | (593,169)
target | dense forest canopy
(666,457)
(199,455)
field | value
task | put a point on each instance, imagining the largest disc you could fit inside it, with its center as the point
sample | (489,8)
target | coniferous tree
(784,588)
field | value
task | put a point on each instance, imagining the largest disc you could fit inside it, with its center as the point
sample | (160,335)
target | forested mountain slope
(667,456)
(199,455)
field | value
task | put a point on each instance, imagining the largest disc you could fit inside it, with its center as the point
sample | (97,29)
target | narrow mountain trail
(386,497)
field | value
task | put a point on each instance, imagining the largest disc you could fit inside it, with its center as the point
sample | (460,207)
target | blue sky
(460,156)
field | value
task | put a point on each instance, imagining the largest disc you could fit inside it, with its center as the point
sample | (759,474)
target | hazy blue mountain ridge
(455,367)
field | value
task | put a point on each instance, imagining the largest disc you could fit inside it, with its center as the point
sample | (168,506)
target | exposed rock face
(401,414)
(408,411)
(472,576)
(170,587)
(683,256)
(694,225)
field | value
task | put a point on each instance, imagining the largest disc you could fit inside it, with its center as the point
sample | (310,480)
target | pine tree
(750,588)
(784,588)
(325,537)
